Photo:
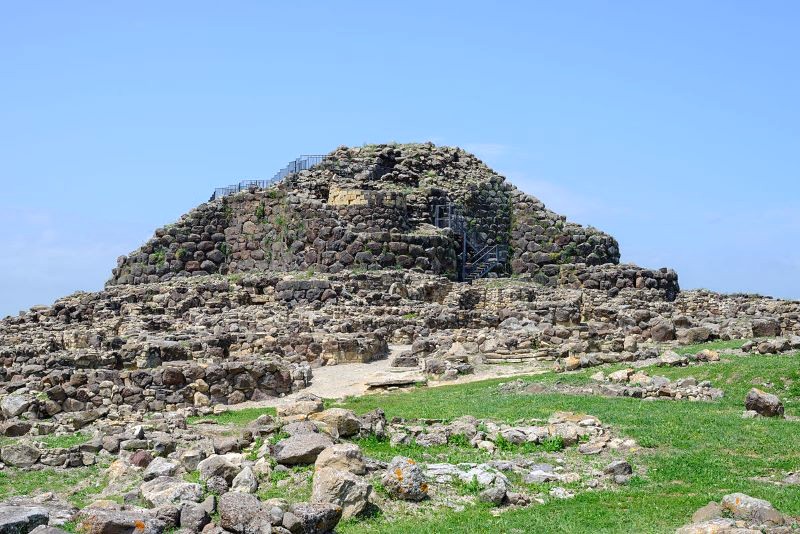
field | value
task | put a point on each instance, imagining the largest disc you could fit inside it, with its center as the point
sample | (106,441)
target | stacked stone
(365,207)
(193,246)
(168,387)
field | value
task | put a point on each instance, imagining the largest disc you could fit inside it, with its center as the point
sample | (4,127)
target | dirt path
(349,380)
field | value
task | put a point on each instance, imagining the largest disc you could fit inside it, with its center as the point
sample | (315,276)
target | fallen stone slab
(301,449)
(21,519)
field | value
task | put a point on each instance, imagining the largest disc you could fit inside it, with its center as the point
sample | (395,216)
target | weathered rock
(305,404)
(763,403)
(405,480)
(14,405)
(20,455)
(618,467)
(21,519)
(218,465)
(243,513)
(116,521)
(245,481)
(672,359)
(343,423)
(342,457)
(167,490)
(194,517)
(312,518)
(301,449)
(159,467)
(343,488)
(191,459)
(493,494)
(757,511)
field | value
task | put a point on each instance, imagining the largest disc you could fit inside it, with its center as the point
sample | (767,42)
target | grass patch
(232,417)
(711,345)
(66,441)
(80,484)
(298,488)
(695,451)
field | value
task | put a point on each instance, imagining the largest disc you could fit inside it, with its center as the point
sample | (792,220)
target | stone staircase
(478,258)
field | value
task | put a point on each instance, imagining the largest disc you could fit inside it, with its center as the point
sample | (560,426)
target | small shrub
(253,454)
(553,444)
(459,440)
(275,438)
(503,444)
(472,487)
(159,257)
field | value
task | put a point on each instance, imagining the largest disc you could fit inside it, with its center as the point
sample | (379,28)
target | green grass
(66,441)
(694,452)
(80,484)
(233,417)
(298,490)
(711,345)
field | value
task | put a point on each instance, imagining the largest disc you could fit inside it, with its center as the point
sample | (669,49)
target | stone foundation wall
(193,246)
(540,238)
(166,388)
(318,219)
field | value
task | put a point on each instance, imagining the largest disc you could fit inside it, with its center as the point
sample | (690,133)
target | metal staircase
(303,163)
(477,258)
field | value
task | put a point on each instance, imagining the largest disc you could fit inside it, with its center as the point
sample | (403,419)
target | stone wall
(369,207)
(94,393)
(193,246)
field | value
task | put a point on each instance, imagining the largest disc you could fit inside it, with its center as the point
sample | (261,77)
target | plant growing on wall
(159,256)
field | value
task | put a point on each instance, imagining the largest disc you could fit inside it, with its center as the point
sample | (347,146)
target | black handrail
(483,257)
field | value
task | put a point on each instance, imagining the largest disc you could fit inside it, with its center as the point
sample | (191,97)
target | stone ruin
(242,298)
(246,294)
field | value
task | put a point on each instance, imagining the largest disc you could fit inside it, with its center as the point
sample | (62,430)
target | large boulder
(342,457)
(662,330)
(167,490)
(218,465)
(343,488)
(14,405)
(21,519)
(245,481)
(194,517)
(312,518)
(752,510)
(763,403)
(765,327)
(342,423)
(304,405)
(243,513)
(118,521)
(405,480)
(159,467)
(20,455)
(301,449)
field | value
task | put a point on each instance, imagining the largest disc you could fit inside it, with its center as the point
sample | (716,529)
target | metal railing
(303,163)
(477,258)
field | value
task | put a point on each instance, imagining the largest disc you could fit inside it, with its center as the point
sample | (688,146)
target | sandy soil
(349,380)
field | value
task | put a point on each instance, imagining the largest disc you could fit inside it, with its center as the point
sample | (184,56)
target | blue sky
(674,126)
